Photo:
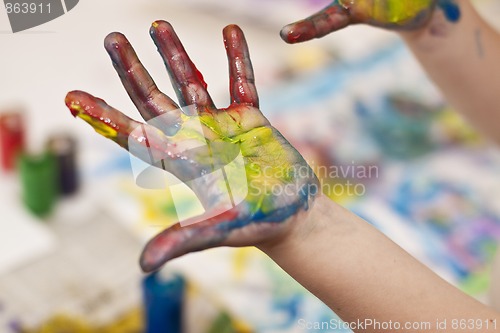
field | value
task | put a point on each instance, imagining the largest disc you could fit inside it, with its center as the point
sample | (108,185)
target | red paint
(201,78)
(294,37)
(12,139)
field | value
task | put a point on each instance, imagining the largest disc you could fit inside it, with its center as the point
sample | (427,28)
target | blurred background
(355,104)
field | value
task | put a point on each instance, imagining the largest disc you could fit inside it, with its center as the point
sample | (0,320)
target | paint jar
(12,139)
(163,302)
(39,182)
(63,147)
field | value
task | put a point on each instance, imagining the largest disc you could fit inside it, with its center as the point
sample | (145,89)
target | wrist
(301,227)
(440,31)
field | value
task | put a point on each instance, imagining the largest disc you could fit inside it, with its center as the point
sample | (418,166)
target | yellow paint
(131,321)
(100,127)
(455,129)
(240,261)
(158,208)
(389,11)
(241,326)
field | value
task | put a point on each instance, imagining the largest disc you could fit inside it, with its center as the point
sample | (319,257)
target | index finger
(141,88)
(332,18)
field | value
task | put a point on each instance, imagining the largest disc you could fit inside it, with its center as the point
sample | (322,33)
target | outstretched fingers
(141,88)
(188,82)
(241,75)
(332,18)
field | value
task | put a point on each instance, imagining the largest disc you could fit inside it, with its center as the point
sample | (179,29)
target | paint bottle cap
(39,182)
(63,147)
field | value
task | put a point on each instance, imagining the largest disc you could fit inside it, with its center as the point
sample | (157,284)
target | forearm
(361,274)
(463,60)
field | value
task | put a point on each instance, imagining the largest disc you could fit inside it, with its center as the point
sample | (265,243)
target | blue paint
(458,238)
(290,306)
(279,215)
(15,326)
(400,131)
(451,10)
(163,299)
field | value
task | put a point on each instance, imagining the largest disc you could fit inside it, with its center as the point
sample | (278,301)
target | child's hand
(257,199)
(390,14)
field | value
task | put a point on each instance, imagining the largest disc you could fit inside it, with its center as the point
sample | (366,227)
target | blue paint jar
(163,302)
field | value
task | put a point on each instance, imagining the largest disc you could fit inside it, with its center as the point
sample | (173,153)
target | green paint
(216,140)
(39,182)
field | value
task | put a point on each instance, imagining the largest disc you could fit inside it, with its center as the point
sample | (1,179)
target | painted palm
(266,182)
(391,14)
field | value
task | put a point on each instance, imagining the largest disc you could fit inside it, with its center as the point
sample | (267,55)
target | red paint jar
(12,139)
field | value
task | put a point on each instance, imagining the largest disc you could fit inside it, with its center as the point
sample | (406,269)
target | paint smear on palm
(260,148)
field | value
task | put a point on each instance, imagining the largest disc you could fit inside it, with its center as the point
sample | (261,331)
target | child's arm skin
(463,59)
(361,274)
(458,49)
(340,258)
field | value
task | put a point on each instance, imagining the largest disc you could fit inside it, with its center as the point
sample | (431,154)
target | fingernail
(292,35)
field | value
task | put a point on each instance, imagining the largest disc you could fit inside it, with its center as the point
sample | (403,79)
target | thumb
(179,240)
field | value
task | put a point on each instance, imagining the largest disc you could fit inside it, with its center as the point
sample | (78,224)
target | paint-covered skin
(390,14)
(273,182)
